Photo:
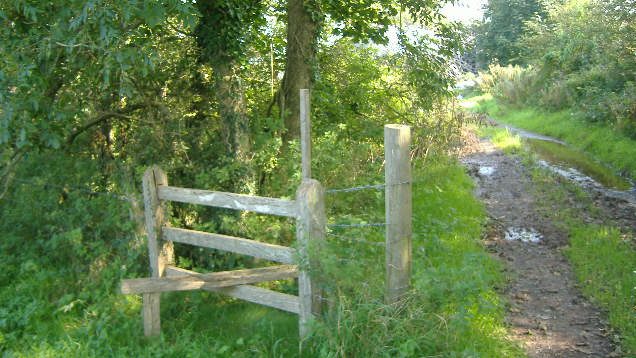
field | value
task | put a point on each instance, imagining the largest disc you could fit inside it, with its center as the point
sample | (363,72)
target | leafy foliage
(92,92)
(498,35)
(104,50)
(581,57)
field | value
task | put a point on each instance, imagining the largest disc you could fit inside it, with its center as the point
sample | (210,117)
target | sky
(464,10)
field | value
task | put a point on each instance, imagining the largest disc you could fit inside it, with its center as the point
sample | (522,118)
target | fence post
(305,133)
(161,252)
(310,230)
(398,210)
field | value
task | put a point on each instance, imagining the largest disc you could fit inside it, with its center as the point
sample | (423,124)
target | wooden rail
(270,206)
(197,281)
(308,210)
(254,294)
(237,245)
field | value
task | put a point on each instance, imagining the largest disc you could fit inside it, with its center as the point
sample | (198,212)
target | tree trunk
(302,31)
(232,109)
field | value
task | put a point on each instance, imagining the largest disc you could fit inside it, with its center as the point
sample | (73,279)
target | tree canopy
(503,24)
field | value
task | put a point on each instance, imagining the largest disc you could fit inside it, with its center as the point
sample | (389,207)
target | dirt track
(547,314)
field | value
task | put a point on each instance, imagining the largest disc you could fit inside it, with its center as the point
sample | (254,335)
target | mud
(547,313)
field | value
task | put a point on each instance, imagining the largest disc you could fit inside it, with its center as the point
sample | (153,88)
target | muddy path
(547,313)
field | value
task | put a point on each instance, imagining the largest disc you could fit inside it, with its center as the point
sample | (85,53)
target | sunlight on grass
(473,102)
(602,142)
(502,138)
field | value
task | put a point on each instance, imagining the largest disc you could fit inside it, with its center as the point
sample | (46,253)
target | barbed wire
(357,188)
(370,186)
(355,225)
(356,240)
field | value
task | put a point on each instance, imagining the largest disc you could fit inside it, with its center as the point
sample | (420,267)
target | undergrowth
(59,284)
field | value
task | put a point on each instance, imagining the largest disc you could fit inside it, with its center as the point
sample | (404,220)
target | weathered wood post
(398,210)
(310,229)
(160,252)
(305,133)
(310,225)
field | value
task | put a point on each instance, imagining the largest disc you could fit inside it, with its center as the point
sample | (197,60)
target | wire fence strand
(356,225)
(357,188)
(369,187)
(356,240)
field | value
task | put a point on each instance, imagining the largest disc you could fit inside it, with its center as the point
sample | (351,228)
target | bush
(515,85)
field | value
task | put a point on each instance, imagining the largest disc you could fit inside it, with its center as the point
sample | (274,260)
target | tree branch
(103,117)
(7,172)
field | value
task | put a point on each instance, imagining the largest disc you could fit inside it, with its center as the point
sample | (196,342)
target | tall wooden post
(310,227)
(161,252)
(305,133)
(398,210)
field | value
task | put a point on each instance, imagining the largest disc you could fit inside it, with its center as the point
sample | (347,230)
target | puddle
(570,173)
(580,168)
(587,182)
(523,235)
(486,171)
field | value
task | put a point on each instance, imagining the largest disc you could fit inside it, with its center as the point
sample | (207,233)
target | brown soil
(547,313)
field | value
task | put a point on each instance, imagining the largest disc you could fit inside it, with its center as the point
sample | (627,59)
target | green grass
(59,296)
(502,138)
(601,142)
(605,261)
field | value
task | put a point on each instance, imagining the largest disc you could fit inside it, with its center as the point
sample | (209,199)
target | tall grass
(512,84)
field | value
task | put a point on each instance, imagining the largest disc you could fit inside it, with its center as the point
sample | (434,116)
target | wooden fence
(307,209)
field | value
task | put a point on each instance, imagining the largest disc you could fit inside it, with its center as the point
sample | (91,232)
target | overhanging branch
(101,118)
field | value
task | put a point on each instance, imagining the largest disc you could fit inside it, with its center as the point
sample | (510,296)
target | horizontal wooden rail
(271,206)
(237,245)
(262,296)
(196,281)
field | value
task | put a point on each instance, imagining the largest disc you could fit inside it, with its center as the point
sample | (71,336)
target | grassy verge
(605,261)
(603,256)
(601,142)
(58,295)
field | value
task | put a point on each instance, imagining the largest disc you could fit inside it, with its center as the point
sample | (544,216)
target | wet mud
(547,313)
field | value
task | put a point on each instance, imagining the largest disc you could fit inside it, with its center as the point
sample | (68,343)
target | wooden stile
(308,209)
(237,245)
(270,206)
